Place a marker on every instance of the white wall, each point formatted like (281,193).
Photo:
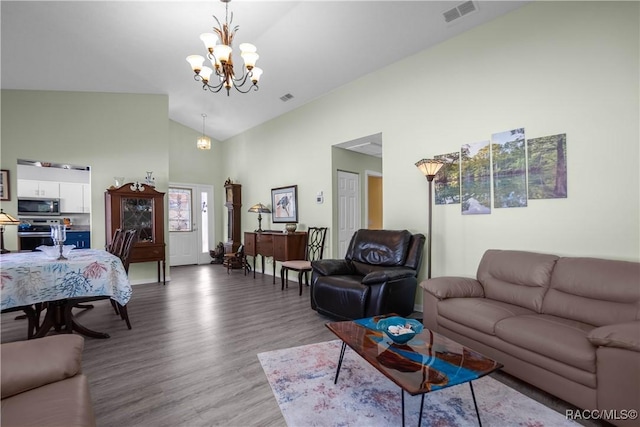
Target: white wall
(550,67)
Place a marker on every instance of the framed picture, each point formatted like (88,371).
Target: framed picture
(284,202)
(4,185)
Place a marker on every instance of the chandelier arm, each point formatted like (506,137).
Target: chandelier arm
(206,85)
(253,86)
(214,89)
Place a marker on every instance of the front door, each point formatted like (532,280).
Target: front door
(348,209)
(190,224)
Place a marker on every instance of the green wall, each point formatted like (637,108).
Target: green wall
(550,67)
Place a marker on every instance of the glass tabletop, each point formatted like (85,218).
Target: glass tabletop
(426,363)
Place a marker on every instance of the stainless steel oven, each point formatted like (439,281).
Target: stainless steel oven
(30,240)
(34,232)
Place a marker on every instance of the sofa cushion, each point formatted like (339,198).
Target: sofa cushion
(478,313)
(595,291)
(516,277)
(63,403)
(379,247)
(560,339)
(35,363)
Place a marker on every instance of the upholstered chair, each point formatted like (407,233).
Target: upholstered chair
(377,276)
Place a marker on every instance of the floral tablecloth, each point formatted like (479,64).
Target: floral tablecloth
(30,277)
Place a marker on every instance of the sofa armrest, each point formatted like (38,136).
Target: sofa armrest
(621,335)
(381,276)
(453,287)
(332,267)
(30,364)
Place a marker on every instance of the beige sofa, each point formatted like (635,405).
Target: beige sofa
(42,384)
(569,326)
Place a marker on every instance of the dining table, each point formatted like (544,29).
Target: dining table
(35,279)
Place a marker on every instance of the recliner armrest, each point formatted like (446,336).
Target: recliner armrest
(30,364)
(381,276)
(621,335)
(453,287)
(332,267)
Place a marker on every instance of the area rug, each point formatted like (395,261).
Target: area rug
(302,381)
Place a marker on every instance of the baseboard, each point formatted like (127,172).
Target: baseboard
(145,281)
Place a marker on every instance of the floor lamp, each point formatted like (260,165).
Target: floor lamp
(429,167)
(5,219)
(260,209)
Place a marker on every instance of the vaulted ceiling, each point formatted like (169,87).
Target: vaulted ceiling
(307,48)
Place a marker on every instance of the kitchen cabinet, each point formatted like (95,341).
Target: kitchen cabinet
(75,197)
(82,239)
(34,188)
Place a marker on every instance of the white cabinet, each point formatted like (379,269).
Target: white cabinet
(75,197)
(33,188)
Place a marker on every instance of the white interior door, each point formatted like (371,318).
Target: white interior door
(189,223)
(348,209)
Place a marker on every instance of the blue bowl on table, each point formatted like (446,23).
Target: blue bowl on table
(396,328)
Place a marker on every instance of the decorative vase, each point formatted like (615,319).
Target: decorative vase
(291,227)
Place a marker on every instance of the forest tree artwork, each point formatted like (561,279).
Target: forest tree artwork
(475,173)
(509,169)
(519,171)
(447,180)
(548,167)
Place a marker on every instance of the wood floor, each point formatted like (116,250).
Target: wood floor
(191,357)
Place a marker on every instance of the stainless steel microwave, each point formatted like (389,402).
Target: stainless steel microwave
(38,206)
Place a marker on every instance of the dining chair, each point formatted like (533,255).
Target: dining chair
(114,247)
(313,251)
(128,241)
(121,246)
(116,242)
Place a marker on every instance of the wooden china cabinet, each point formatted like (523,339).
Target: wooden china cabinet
(233,202)
(140,207)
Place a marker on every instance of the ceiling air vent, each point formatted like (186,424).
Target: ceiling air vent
(287,97)
(459,11)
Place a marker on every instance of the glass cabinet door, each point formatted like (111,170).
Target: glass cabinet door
(137,213)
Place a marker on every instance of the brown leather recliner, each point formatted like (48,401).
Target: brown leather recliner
(377,276)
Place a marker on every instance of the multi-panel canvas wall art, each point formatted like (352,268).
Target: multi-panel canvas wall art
(548,167)
(509,169)
(475,179)
(447,181)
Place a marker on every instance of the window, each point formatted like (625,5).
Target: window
(180,217)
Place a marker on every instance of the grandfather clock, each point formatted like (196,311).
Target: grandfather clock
(233,202)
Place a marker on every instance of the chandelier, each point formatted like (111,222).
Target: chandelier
(203,142)
(220,56)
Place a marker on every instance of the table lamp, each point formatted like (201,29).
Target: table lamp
(5,219)
(260,209)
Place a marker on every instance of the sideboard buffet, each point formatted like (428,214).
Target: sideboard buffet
(280,246)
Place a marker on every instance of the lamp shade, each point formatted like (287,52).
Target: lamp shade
(203,143)
(429,167)
(259,208)
(6,219)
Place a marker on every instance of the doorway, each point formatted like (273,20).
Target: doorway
(373,194)
(190,223)
(348,209)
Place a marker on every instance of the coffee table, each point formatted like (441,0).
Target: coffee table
(426,363)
